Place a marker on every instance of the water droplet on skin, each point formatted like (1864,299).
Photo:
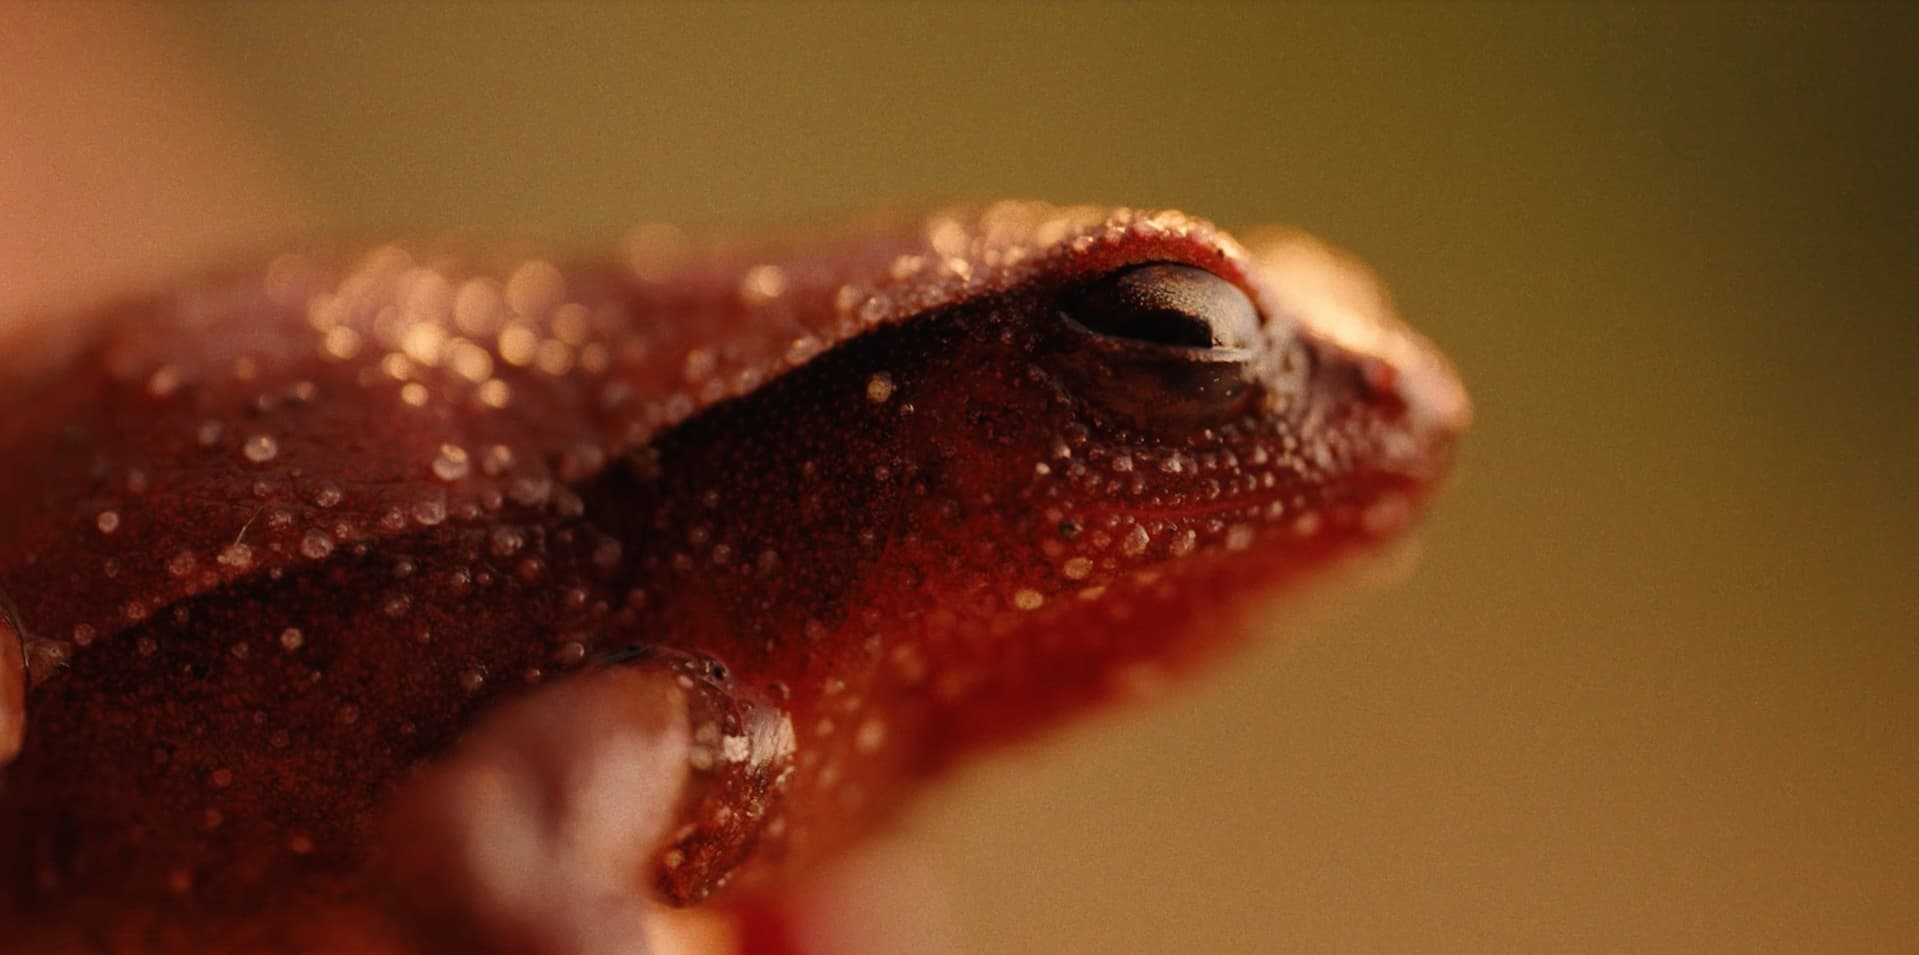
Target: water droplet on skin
(1183,543)
(182,563)
(554,357)
(1239,537)
(1078,568)
(292,639)
(1306,524)
(396,606)
(762,284)
(506,541)
(316,545)
(209,432)
(424,343)
(163,382)
(429,512)
(340,343)
(870,735)
(535,288)
(327,494)
(495,393)
(496,460)
(471,680)
(529,491)
(1135,541)
(1029,599)
(802,349)
(698,366)
(236,556)
(518,343)
(260,449)
(476,307)
(414,394)
(83,635)
(108,521)
(879,388)
(451,463)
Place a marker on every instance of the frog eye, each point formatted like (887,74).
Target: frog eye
(1164,303)
(1168,347)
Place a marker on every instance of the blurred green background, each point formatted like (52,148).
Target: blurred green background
(1655,685)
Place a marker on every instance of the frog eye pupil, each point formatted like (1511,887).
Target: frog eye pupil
(1164,303)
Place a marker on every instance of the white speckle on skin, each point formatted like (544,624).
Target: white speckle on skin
(451,463)
(236,556)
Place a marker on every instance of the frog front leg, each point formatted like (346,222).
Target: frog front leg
(548,827)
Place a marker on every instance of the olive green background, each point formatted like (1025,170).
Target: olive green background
(1654,686)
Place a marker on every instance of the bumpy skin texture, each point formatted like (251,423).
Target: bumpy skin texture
(274,542)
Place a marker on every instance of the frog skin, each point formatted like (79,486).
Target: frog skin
(424,601)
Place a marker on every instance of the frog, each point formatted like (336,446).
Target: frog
(420,599)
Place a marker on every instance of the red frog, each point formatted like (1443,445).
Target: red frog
(423,602)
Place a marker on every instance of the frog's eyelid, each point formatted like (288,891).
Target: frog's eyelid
(1197,353)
